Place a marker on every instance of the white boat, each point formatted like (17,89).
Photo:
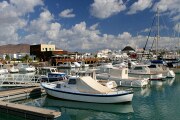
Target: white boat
(51,74)
(86,89)
(83,64)
(11,68)
(144,71)
(25,67)
(120,75)
(2,69)
(66,65)
(157,68)
(92,73)
(77,65)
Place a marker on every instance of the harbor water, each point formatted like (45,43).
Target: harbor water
(157,101)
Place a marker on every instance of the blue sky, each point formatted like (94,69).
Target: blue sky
(88,25)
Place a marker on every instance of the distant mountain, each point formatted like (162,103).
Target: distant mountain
(10,48)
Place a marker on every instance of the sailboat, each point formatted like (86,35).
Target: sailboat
(158,65)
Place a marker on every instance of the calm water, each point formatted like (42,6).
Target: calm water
(158,101)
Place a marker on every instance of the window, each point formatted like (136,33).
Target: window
(49,49)
(72,81)
(126,72)
(152,66)
(58,86)
(138,68)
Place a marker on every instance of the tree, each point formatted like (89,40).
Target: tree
(26,58)
(7,58)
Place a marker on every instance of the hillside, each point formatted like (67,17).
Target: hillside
(10,48)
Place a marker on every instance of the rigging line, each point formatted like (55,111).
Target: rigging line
(153,40)
(125,2)
(149,32)
(165,25)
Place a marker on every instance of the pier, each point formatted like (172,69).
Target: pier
(27,112)
(20,93)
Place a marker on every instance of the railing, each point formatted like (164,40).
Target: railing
(19,80)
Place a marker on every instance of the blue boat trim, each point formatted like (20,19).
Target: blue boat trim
(90,94)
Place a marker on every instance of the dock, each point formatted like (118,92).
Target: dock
(20,93)
(28,112)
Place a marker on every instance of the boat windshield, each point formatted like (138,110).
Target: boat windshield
(72,81)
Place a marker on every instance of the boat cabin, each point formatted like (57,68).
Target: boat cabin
(140,69)
(82,73)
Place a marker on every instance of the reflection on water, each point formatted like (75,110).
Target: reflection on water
(82,110)
(113,108)
(158,85)
(168,81)
(74,110)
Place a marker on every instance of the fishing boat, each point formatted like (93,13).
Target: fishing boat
(86,89)
(51,74)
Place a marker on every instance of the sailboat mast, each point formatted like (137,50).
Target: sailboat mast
(157,32)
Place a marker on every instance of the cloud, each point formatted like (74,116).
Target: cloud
(54,31)
(177,28)
(124,35)
(42,23)
(140,5)
(80,37)
(105,8)
(68,13)
(12,18)
(25,6)
(171,7)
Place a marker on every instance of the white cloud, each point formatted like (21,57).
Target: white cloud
(54,31)
(177,27)
(105,8)
(170,7)
(140,5)
(125,35)
(11,18)
(41,24)
(68,13)
(93,27)
(25,6)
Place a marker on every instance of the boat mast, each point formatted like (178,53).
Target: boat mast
(157,32)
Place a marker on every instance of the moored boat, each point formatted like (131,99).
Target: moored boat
(25,67)
(144,71)
(51,74)
(86,89)
(121,77)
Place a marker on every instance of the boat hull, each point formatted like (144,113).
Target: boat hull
(130,82)
(94,98)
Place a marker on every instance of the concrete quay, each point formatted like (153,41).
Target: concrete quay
(24,111)
(28,112)
(20,93)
